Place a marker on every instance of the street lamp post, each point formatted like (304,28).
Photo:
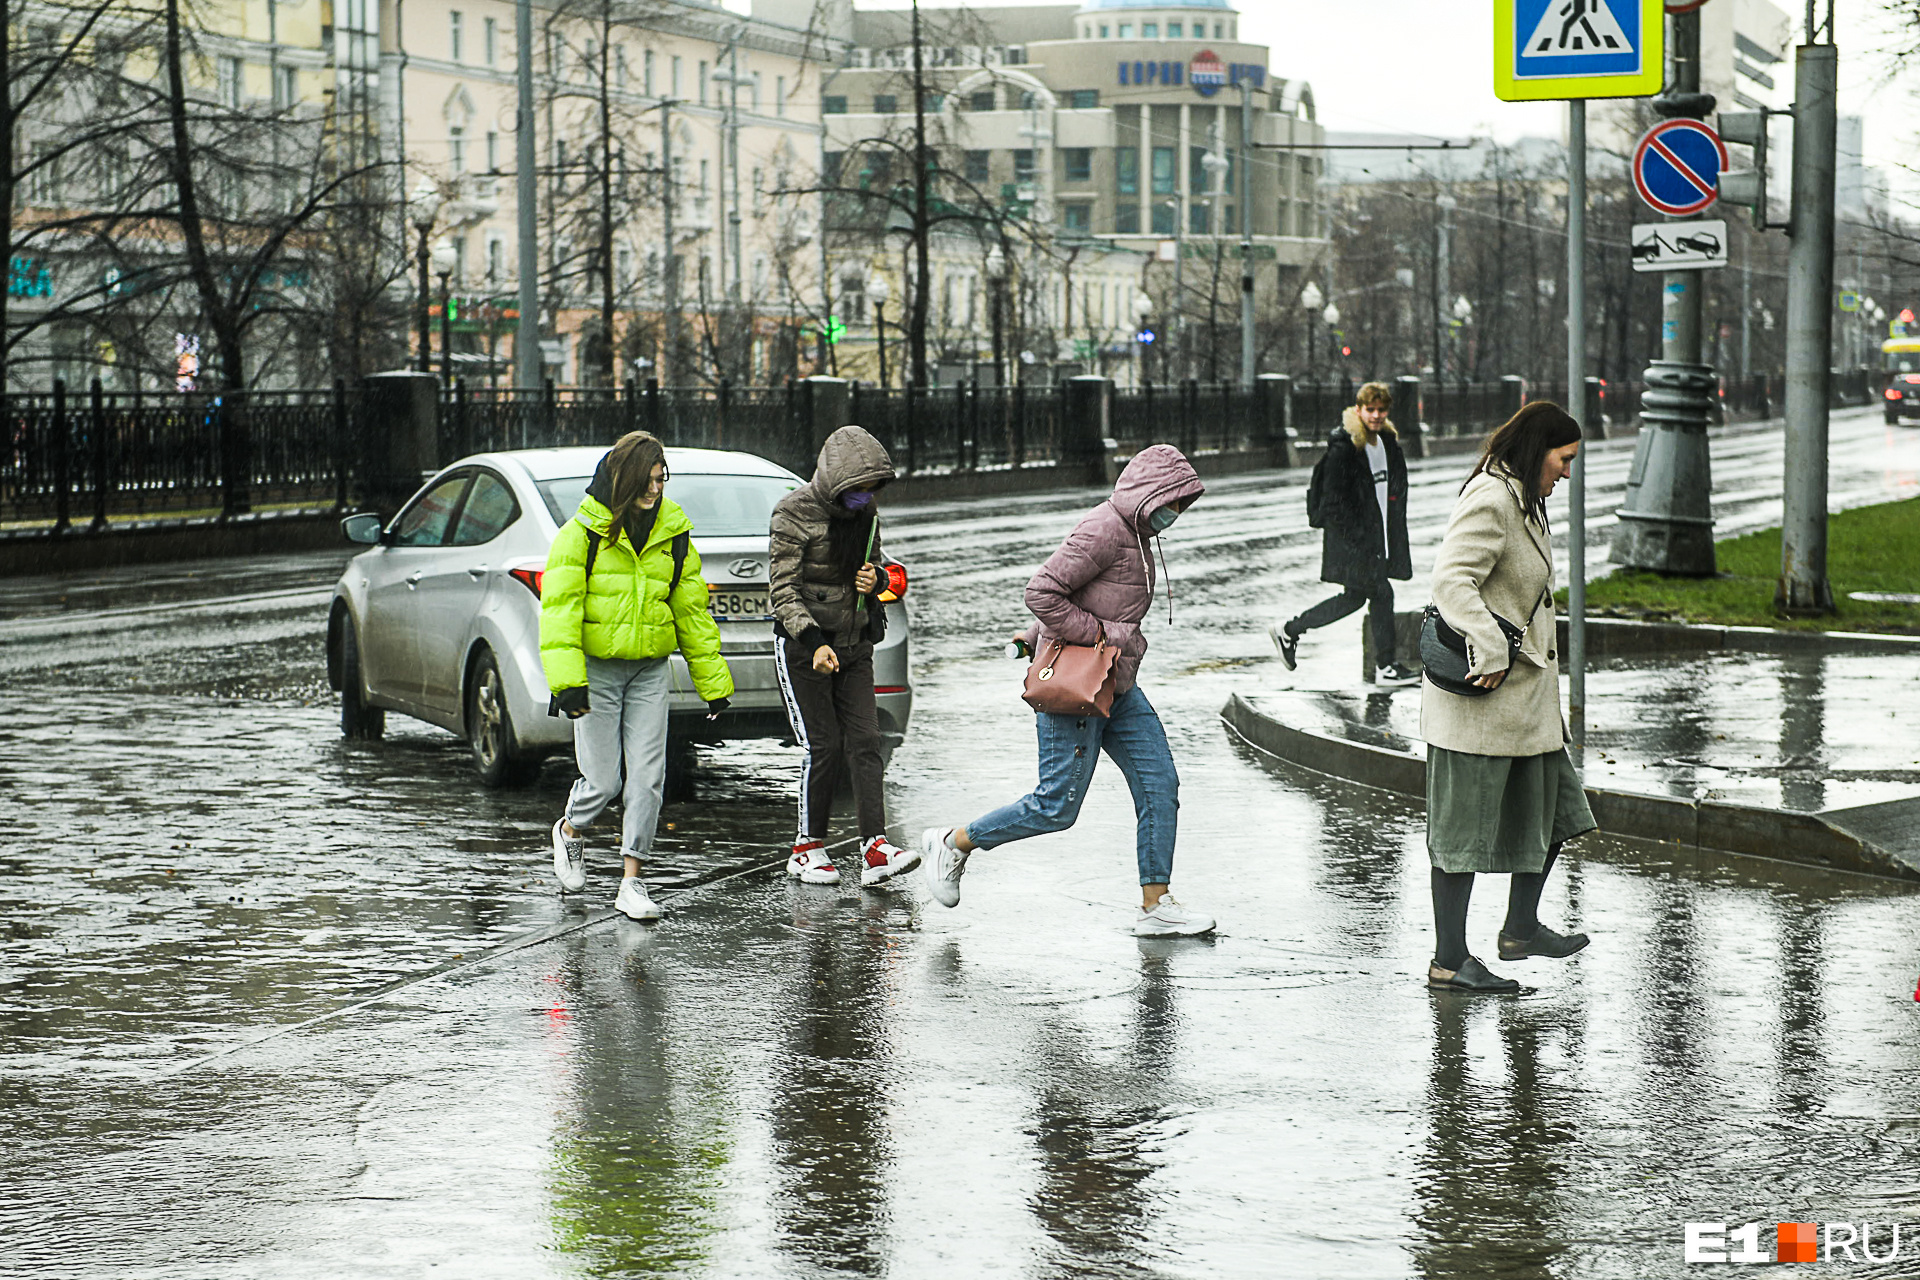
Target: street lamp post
(1332,316)
(996,280)
(444,261)
(423,211)
(1311,300)
(878,291)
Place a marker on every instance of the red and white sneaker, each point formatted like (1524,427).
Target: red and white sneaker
(883,860)
(812,863)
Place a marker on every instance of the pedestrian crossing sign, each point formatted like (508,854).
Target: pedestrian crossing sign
(1548,49)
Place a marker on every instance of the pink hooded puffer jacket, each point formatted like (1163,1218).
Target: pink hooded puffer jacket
(1100,580)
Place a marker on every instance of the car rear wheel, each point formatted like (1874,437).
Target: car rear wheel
(358,721)
(496,749)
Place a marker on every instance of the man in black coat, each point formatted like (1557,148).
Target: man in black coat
(1359,501)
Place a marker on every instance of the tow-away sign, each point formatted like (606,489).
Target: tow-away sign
(1679,246)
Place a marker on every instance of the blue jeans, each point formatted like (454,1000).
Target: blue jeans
(1069,748)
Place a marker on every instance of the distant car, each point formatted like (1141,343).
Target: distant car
(439,618)
(1700,243)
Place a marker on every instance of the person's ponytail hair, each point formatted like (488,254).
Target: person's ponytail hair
(1519,447)
(630,465)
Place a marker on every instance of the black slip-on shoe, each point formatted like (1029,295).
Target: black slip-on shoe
(1471,976)
(1544,942)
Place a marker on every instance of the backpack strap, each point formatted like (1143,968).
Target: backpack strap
(681,542)
(593,553)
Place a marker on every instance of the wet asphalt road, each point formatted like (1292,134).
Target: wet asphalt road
(275,1005)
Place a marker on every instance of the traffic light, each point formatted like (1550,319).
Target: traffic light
(1747,186)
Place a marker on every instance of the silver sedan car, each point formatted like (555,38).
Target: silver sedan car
(439,618)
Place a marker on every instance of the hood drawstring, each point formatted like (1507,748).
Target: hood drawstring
(1166,577)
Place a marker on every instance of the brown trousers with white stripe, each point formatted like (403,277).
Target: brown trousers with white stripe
(834,718)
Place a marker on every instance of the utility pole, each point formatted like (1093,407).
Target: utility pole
(669,260)
(733,163)
(1666,521)
(526,336)
(1803,588)
(1246,237)
(1444,205)
(922,266)
(1577,406)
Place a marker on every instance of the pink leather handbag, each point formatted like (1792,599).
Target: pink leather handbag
(1072,679)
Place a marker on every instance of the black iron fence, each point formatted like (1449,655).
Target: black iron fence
(763,420)
(928,430)
(77,459)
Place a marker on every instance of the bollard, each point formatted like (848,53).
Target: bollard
(62,462)
(342,449)
(1513,395)
(399,438)
(827,403)
(1406,397)
(236,455)
(1593,421)
(1275,429)
(101,481)
(1084,430)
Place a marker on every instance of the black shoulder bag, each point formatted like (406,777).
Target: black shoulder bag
(1443,652)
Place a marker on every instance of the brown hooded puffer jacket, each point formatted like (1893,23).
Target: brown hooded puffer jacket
(813,595)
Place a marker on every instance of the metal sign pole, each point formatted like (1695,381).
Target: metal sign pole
(1576,405)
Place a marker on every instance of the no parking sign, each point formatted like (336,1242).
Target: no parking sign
(1677,167)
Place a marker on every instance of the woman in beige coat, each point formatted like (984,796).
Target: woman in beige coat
(1502,795)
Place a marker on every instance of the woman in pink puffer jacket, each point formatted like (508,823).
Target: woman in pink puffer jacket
(1098,583)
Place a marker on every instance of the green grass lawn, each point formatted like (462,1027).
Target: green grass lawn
(1868,549)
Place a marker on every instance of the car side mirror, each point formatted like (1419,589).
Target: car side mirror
(363,527)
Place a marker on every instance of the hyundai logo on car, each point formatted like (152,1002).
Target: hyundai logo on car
(746,568)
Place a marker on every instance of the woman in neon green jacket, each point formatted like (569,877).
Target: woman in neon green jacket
(610,617)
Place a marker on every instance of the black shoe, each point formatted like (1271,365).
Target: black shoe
(1470,976)
(1288,644)
(1395,676)
(1544,942)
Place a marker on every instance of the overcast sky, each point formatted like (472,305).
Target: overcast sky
(1426,66)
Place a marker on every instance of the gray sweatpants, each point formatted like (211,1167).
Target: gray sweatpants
(627,717)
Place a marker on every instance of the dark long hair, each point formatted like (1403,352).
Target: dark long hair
(1520,445)
(630,466)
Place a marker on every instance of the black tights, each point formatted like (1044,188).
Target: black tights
(1453,889)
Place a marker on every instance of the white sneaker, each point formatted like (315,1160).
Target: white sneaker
(569,859)
(883,860)
(1169,919)
(634,902)
(944,865)
(812,863)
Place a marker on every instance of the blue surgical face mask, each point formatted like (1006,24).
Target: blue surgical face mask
(1162,520)
(859,500)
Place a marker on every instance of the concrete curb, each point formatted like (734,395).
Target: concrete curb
(1866,840)
(1625,637)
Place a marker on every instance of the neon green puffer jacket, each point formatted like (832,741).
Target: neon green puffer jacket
(624,611)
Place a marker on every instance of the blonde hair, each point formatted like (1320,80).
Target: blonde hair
(1375,393)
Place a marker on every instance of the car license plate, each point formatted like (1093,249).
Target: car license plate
(739,604)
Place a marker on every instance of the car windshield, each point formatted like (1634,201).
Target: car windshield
(719,506)
(1903,362)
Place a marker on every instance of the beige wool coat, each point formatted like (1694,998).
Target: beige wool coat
(1494,559)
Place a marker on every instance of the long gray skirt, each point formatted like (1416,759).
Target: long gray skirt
(1500,813)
